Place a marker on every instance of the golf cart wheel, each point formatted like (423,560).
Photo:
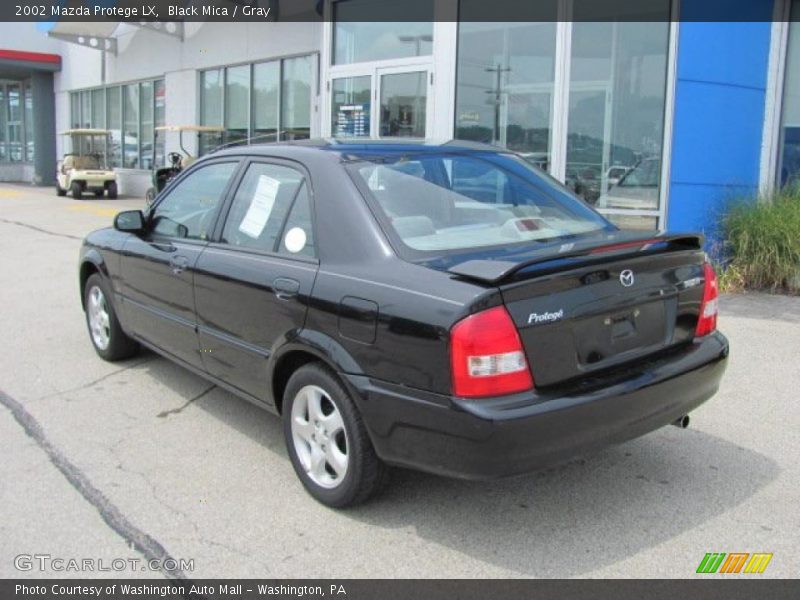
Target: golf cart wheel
(98,193)
(112,190)
(77,190)
(60,191)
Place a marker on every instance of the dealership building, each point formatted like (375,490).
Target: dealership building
(657,123)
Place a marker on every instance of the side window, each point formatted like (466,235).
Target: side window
(298,234)
(261,206)
(188,211)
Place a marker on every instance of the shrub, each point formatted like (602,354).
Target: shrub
(763,242)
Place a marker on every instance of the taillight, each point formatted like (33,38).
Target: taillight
(707,322)
(486,356)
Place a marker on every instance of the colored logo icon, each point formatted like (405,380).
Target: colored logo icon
(734,562)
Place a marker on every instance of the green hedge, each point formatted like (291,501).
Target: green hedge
(763,243)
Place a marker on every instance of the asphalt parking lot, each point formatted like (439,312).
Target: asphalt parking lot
(101,460)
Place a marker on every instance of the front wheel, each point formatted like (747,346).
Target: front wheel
(112,190)
(327,441)
(59,190)
(108,339)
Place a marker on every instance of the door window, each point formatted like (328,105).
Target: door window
(188,211)
(298,234)
(271,199)
(403,104)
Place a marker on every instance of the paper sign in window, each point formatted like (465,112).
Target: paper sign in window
(260,207)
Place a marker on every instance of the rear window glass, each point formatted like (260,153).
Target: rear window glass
(437,203)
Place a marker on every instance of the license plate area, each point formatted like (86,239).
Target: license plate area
(604,337)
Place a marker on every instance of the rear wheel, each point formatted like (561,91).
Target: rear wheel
(77,190)
(98,193)
(327,441)
(112,190)
(108,339)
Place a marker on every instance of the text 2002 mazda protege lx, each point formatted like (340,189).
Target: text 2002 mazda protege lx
(448,308)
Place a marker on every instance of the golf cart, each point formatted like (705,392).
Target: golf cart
(177,160)
(85,168)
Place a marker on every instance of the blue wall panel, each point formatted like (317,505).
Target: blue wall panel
(719,112)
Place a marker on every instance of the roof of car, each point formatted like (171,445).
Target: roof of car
(356,147)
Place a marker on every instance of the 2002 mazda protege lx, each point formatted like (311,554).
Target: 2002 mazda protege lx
(448,307)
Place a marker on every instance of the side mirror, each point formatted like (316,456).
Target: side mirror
(131,221)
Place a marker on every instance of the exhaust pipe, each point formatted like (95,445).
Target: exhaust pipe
(682,422)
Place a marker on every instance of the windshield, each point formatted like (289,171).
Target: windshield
(646,174)
(441,202)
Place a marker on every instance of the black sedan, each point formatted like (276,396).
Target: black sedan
(448,308)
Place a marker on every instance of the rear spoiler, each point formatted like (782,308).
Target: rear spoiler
(496,271)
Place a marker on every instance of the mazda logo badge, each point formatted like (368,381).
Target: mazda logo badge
(626,278)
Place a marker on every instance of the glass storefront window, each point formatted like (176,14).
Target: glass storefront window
(160,108)
(505,84)
(210,107)
(403,104)
(146,124)
(75,110)
(29,148)
(237,104)
(114,124)
(296,98)
(99,108)
(789,151)
(351,106)
(613,80)
(617,99)
(130,113)
(364,31)
(14,122)
(86,109)
(130,129)
(3,124)
(266,101)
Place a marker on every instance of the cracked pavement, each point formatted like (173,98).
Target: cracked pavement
(205,476)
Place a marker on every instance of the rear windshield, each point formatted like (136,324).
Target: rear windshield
(455,202)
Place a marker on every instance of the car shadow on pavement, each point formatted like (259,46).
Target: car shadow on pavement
(565,521)
(582,515)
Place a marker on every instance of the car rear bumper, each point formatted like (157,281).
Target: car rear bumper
(484,439)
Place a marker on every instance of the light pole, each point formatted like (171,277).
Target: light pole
(498,70)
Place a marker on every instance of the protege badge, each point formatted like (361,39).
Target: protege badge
(545,317)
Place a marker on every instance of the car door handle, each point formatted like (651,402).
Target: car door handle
(285,288)
(178,264)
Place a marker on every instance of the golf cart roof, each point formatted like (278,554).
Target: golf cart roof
(195,128)
(85,132)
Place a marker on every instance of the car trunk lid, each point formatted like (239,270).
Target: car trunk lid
(596,304)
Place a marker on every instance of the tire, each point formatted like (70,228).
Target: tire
(363,473)
(105,333)
(112,190)
(98,194)
(77,190)
(60,191)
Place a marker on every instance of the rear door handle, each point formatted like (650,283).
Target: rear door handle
(285,288)
(178,264)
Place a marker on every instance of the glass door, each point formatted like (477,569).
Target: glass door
(382,102)
(403,109)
